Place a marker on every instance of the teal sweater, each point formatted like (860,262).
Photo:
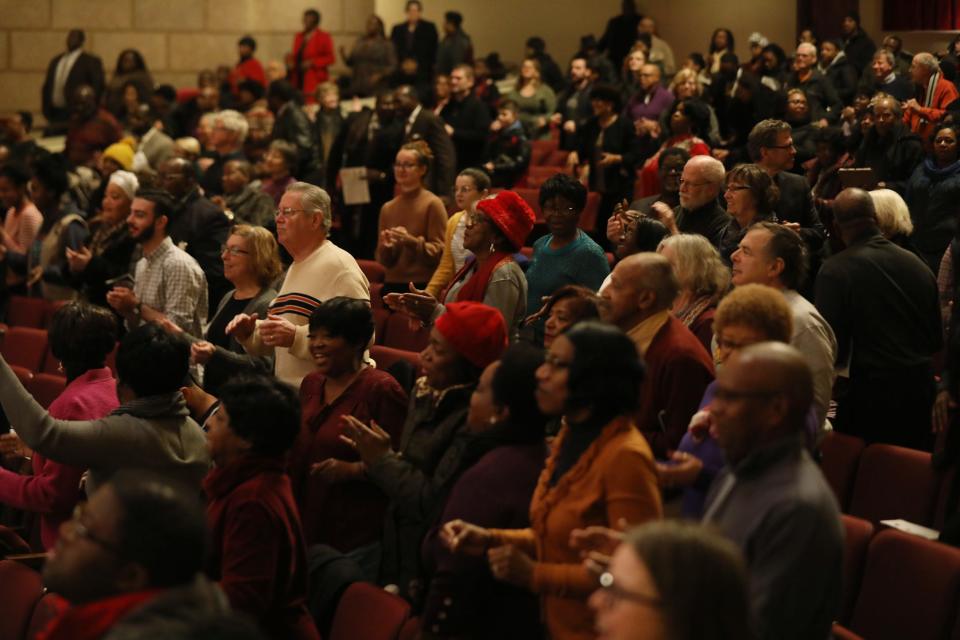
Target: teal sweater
(581,262)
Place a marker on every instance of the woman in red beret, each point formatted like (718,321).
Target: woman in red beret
(493,232)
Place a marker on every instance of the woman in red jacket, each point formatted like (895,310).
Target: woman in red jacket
(312,54)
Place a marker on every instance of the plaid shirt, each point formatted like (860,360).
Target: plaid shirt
(172,282)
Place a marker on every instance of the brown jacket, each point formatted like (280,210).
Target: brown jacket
(614,478)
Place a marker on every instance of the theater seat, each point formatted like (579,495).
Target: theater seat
(410,630)
(400,335)
(588,219)
(27,312)
(380,317)
(11,543)
(857,535)
(840,455)
(894,482)
(25,347)
(48,608)
(842,633)
(20,590)
(23,374)
(540,150)
(45,387)
(909,590)
(367,611)
(374,271)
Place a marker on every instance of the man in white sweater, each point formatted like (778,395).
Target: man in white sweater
(320,271)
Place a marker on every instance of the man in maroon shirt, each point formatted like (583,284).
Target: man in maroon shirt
(91,129)
(258,553)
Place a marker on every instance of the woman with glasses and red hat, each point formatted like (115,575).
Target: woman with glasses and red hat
(493,232)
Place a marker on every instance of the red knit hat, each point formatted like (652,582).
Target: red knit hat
(477,331)
(512,215)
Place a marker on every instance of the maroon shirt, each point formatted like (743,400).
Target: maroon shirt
(95,134)
(349,514)
(258,553)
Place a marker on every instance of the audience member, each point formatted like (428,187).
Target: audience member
(699,211)
(472,185)
(660,52)
(467,119)
(931,195)
(151,429)
(229,132)
(721,43)
(507,152)
(372,58)
(638,300)
(937,94)
(771,500)
(536,48)
(81,337)
(825,104)
(90,127)
(130,563)
(328,121)
(244,203)
(292,125)
(456,48)
(258,554)
(310,56)
(567,306)
(751,197)
(599,473)
(687,123)
(248,68)
(837,69)
(22,146)
(66,73)
(802,128)
(669,170)
(412,225)
(645,107)
(167,282)
(889,147)
(416,38)
(536,100)
(620,33)
(505,460)
(153,145)
(339,506)
(131,70)
(421,124)
(889,392)
(320,271)
(573,104)
(703,279)
(21,223)
(885,77)
(856,43)
(280,163)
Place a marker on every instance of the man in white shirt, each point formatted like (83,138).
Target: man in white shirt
(65,73)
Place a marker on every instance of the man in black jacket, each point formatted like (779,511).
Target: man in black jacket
(825,105)
(620,34)
(838,71)
(423,124)
(856,43)
(467,119)
(199,227)
(417,39)
(883,76)
(889,147)
(65,73)
(573,104)
(882,304)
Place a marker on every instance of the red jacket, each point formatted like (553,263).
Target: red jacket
(54,489)
(319,52)
(924,121)
(258,553)
(249,69)
(678,372)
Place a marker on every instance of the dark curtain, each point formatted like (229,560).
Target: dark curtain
(824,16)
(917,15)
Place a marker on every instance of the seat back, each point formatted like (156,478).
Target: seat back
(25,347)
(374,271)
(380,317)
(11,543)
(909,589)
(400,335)
(45,387)
(367,611)
(20,590)
(48,608)
(840,456)
(894,482)
(27,312)
(857,535)
(540,150)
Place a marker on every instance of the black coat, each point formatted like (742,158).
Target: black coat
(88,69)
(796,205)
(422,46)
(580,114)
(203,228)
(619,138)
(822,97)
(509,151)
(293,125)
(470,120)
(430,128)
(859,50)
(843,77)
(893,158)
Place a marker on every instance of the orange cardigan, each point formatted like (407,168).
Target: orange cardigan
(614,478)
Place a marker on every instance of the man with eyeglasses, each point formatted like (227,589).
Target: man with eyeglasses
(771,499)
(320,271)
(699,212)
(130,563)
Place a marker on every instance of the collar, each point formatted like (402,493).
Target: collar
(422,390)
(165,247)
(890,77)
(768,455)
(643,332)
(93,375)
(413,114)
(222,480)
(148,135)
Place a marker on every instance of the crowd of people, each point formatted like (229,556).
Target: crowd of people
(772,260)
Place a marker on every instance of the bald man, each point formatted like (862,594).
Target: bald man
(772,499)
(638,300)
(881,302)
(699,212)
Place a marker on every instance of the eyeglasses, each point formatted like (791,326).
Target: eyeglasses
(782,146)
(234,251)
(728,395)
(737,187)
(554,362)
(81,531)
(406,166)
(287,212)
(609,587)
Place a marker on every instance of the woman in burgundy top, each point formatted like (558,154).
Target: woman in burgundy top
(338,505)
(81,337)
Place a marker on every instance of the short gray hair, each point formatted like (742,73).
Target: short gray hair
(886,53)
(234,122)
(313,199)
(893,216)
(927,60)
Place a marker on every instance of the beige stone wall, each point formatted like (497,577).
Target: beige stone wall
(177,37)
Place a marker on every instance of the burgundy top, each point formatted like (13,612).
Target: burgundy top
(257,553)
(54,489)
(350,514)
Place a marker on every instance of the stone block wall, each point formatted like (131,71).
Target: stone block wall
(177,38)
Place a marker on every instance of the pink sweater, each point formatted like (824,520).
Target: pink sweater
(54,489)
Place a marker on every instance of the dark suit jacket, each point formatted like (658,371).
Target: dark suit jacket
(203,227)
(429,128)
(424,47)
(88,69)
(581,113)
(618,138)
(470,120)
(796,205)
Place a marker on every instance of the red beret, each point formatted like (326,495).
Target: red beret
(477,331)
(512,215)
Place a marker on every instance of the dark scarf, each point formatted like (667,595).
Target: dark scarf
(938,173)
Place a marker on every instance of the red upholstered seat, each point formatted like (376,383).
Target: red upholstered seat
(50,308)
(45,387)
(25,347)
(380,316)
(857,535)
(400,335)
(367,611)
(894,482)
(540,150)
(11,542)
(410,630)
(385,357)
(840,457)
(20,590)
(909,590)
(842,633)
(536,176)
(374,271)
(48,608)
(23,374)
(27,312)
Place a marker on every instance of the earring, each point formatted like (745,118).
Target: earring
(60,367)
(492,248)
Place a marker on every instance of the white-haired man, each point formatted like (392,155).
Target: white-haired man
(699,210)
(229,132)
(320,271)
(938,93)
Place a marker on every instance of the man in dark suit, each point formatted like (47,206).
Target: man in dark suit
(65,73)
(416,39)
(467,119)
(771,146)
(199,227)
(423,124)
(573,104)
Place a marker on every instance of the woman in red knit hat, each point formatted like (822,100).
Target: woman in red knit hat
(493,232)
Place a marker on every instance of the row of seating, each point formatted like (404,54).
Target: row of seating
(881,482)
(25,610)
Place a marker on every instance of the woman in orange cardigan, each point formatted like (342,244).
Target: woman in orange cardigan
(600,472)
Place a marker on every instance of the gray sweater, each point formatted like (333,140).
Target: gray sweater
(164,440)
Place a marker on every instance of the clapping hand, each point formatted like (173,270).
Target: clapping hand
(370,442)
(242,326)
